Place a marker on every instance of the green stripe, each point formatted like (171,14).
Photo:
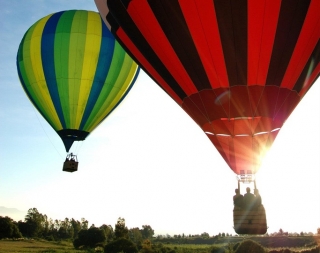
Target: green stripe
(109,89)
(29,80)
(61,59)
(78,38)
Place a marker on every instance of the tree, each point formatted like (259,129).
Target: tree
(45,224)
(90,238)
(8,229)
(147,232)
(108,230)
(76,225)
(135,235)
(318,231)
(95,236)
(66,230)
(205,235)
(84,223)
(121,245)
(34,223)
(121,231)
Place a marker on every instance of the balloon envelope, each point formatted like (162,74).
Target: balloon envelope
(238,68)
(74,72)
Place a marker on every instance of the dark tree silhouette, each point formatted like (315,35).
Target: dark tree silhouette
(8,228)
(121,245)
(121,231)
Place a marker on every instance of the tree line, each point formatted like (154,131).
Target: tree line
(37,225)
(117,239)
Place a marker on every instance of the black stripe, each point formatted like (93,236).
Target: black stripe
(172,22)
(312,63)
(291,18)
(232,20)
(120,15)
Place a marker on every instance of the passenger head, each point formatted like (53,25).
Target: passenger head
(248,189)
(236,190)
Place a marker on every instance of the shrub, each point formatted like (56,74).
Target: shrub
(90,238)
(121,245)
(249,246)
(217,249)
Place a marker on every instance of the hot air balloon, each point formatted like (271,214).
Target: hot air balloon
(238,68)
(74,72)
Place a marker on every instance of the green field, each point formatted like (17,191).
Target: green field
(298,244)
(36,246)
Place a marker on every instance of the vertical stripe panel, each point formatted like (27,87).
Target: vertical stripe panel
(104,60)
(203,27)
(23,77)
(118,95)
(112,86)
(174,26)
(232,21)
(305,46)
(140,11)
(33,65)
(147,55)
(76,50)
(262,23)
(48,62)
(291,18)
(90,61)
(61,60)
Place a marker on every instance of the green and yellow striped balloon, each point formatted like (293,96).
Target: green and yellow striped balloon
(74,72)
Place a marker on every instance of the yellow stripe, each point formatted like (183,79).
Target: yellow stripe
(120,88)
(38,81)
(74,58)
(91,49)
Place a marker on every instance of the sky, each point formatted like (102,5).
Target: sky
(148,162)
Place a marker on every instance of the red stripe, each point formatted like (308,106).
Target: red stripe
(306,43)
(203,27)
(134,50)
(262,24)
(140,11)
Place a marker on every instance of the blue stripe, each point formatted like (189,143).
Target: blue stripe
(23,84)
(103,66)
(125,94)
(47,56)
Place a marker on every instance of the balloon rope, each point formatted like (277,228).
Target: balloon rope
(78,146)
(36,113)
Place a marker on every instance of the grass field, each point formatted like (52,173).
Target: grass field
(42,246)
(27,246)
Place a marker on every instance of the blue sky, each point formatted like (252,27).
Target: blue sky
(148,162)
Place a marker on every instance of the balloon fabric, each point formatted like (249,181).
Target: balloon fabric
(74,72)
(238,68)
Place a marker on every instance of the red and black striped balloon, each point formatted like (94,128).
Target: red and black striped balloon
(238,68)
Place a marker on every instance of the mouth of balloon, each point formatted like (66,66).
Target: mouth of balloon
(241,127)
(68,136)
(243,141)
(239,135)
